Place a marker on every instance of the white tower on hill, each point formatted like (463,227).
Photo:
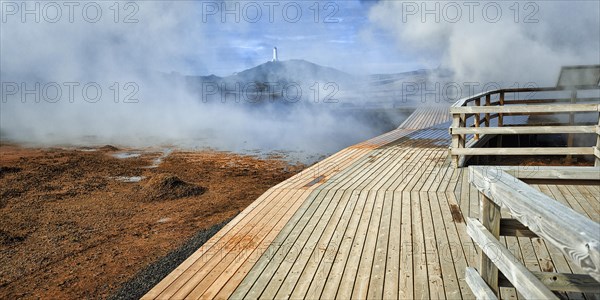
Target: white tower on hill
(275,54)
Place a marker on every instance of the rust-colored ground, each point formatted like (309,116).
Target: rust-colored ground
(69,229)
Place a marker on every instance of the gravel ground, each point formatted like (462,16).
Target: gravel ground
(155,272)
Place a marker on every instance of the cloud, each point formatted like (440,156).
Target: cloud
(495,41)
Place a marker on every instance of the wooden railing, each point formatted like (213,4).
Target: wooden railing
(533,215)
(478,118)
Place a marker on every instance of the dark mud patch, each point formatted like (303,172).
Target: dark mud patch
(8,238)
(457,216)
(169,187)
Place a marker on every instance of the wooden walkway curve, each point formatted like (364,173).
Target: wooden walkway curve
(380,219)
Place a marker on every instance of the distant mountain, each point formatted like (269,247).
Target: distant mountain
(421,75)
(360,89)
(281,72)
(295,70)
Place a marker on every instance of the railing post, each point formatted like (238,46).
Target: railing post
(463,124)
(477,117)
(597,150)
(571,122)
(455,137)
(489,215)
(487,115)
(500,121)
(501,115)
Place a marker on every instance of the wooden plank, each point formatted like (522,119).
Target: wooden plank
(554,191)
(586,200)
(526,109)
(406,275)
(409,167)
(444,248)
(575,235)
(524,151)
(464,198)
(559,261)
(229,277)
(437,171)
(512,244)
(199,280)
(421,282)
(579,204)
(525,130)
(466,100)
(361,281)
(416,169)
(216,241)
(449,179)
(400,170)
(212,251)
(319,277)
(563,282)
(434,268)
(553,100)
(382,170)
(392,266)
(228,286)
(335,275)
(474,201)
(346,285)
(267,265)
(326,168)
(322,254)
(525,282)
(459,244)
(546,172)
(489,215)
(378,270)
(481,290)
(505,292)
(283,280)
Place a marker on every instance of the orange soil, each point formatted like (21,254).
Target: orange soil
(69,229)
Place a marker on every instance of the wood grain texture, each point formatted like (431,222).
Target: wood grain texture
(576,236)
(521,278)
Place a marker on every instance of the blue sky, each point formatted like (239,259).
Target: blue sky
(336,36)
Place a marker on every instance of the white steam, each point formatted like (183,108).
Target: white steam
(495,41)
(171,37)
(137,56)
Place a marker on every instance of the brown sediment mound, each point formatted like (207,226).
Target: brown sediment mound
(109,148)
(169,187)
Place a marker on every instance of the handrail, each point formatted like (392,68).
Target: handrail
(465,100)
(572,233)
(484,110)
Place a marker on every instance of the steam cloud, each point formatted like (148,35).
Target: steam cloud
(167,37)
(173,37)
(503,42)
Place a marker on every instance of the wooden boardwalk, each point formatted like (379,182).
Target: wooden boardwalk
(381,219)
